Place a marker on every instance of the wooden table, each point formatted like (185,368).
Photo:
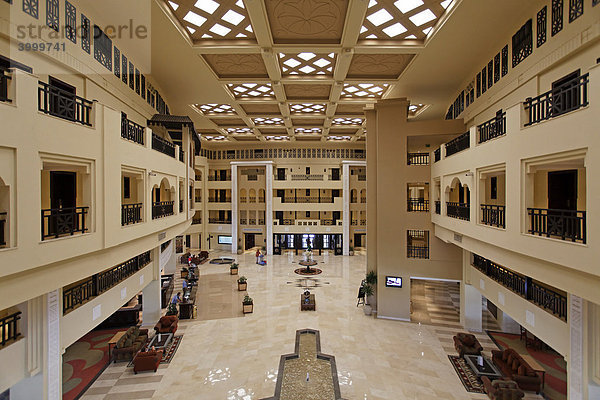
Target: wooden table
(536,367)
(113,341)
(307,306)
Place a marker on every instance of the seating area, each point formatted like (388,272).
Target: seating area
(502,389)
(167,324)
(147,361)
(131,342)
(516,368)
(466,343)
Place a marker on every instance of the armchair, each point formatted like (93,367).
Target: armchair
(466,343)
(167,324)
(147,361)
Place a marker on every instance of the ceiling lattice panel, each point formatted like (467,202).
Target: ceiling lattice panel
(401,19)
(308,108)
(261,109)
(275,138)
(216,109)
(213,19)
(251,90)
(347,121)
(268,121)
(381,66)
(240,131)
(339,138)
(306,21)
(364,90)
(308,131)
(312,91)
(307,63)
(237,65)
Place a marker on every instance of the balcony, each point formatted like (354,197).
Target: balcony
(437,155)
(252,221)
(58,222)
(131,214)
(162,209)
(196,221)
(541,295)
(438,207)
(416,205)
(164,146)
(9,329)
(181,155)
(243,221)
(97,284)
(198,199)
(458,210)
(362,177)
(212,178)
(3,225)
(493,215)
(559,224)
(261,221)
(418,159)
(493,128)
(307,177)
(458,144)
(180,205)
(131,131)
(63,104)
(564,98)
(417,252)
(308,200)
(219,221)
(5,76)
(220,200)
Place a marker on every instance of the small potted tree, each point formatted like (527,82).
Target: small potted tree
(242,283)
(172,309)
(371,279)
(351,251)
(233,269)
(247,305)
(368,291)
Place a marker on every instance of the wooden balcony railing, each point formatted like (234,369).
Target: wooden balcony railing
(493,128)
(9,328)
(418,159)
(131,214)
(563,224)
(162,209)
(417,251)
(63,104)
(309,177)
(493,215)
(162,145)
(131,131)
(458,210)
(458,144)
(565,98)
(417,204)
(63,221)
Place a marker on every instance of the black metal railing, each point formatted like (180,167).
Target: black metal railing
(63,221)
(542,296)
(418,159)
(417,251)
(131,214)
(196,221)
(223,200)
(180,205)
(417,204)
(438,207)
(563,224)
(9,328)
(219,221)
(164,246)
(458,144)
(3,235)
(493,215)
(131,131)
(252,221)
(198,199)
(243,221)
(212,178)
(79,294)
(63,104)
(181,155)
(458,210)
(493,128)
(162,145)
(307,177)
(562,99)
(162,209)
(4,78)
(437,155)
(261,221)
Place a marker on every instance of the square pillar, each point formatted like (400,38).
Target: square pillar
(234,209)
(269,207)
(346,210)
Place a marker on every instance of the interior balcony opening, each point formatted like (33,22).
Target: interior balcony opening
(359,173)
(132,198)
(198,195)
(65,199)
(296,243)
(59,99)
(417,244)
(4,214)
(221,196)
(492,197)
(197,219)
(556,200)
(459,200)
(417,197)
(219,216)
(10,326)
(163,203)
(219,175)
(437,195)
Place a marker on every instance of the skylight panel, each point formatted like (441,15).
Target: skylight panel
(232,17)
(423,17)
(174,5)
(394,30)
(208,6)
(380,17)
(306,56)
(220,29)
(445,3)
(322,63)
(407,5)
(194,18)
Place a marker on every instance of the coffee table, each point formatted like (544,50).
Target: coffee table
(486,368)
(160,341)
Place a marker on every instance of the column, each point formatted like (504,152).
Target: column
(575,361)
(269,207)
(346,209)
(234,209)
(54,354)
(470,307)
(151,293)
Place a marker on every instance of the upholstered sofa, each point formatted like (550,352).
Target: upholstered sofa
(167,324)
(466,343)
(514,367)
(147,361)
(130,343)
(502,389)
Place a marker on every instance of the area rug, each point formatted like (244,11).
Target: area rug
(468,378)
(167,355)
(555,387)
(84,361)
(313,271)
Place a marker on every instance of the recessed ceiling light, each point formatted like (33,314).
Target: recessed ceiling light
(423,17)
(175,6)
(394,30)
(380,17)
(220,29)
(194,18)
(407,5)
(232,17)
(208,6)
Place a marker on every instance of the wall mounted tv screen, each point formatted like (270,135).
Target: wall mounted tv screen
(393,281)
(225,239)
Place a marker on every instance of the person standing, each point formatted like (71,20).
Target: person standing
(258,256)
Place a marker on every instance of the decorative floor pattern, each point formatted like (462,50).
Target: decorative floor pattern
(470,381)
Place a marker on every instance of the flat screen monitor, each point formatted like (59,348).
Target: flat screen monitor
(393,281)
(225,239)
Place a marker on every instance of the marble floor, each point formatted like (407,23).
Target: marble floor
(226,355)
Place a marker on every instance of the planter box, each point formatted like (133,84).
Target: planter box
(242,286)
(233,271)
(248,308)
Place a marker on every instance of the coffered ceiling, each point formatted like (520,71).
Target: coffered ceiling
(302,69)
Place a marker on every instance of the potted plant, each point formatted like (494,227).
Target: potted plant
(172,309)
(233,269)
(371,279)
(242,284)
(368,291)
(351,251)
(247,305)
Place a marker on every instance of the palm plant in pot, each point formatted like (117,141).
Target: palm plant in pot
(242,283)
(247,305)
(371,280)
(172,309)
(233,269)
(368,291)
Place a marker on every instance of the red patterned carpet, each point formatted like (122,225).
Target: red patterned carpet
(84,360)
(554,364)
